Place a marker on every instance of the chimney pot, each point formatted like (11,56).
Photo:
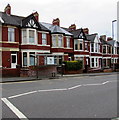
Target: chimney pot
(56,22)
(86,30)
(72,27)
(7,9)
(36,15)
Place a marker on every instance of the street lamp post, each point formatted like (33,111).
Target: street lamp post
(113,28)
(113,39)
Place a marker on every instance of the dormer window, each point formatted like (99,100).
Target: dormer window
(11,35)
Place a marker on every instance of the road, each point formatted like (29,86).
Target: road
(69,97)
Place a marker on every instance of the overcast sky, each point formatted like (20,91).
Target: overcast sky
(97,15)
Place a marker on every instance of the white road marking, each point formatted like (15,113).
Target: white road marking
(63,89)
(14,109)
(51,90)
(92,84)
(71,88)
(22,94)
(105,82)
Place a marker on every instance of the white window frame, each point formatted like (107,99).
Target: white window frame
(68,42)
(11,35)
(27,37)
(96,62)
(55,41)
(44,39)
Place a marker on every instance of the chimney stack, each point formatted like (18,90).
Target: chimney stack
(7,9)
(109,39)
(56,22)
(72,27)
(103,37)
(86,30)
(36,15)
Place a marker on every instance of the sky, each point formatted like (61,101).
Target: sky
(97,15)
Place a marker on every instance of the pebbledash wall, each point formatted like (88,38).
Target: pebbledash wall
(22,39)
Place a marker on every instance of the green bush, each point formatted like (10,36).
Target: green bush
(73,65)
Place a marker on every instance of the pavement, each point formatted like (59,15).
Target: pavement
(19,79)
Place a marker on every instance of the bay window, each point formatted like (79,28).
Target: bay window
(81,45)
(57,41)
(54,41)
(76,44)
(94,62)
(31,37)
(60,41)
(32,58)
(92,47)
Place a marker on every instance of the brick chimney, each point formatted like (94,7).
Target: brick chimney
(72,27)
(109,39)
(103,37)
(56,22)
(86,30)
(36,15)
(7,9)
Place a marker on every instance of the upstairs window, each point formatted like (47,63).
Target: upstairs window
(92,47)
(68,42)
(76,44)
(11,35)
(81,45)
(44,39)
(57,41)
(31,36)
(60,43)
(96,47)
(104,49)
(54,41)
(86,46)
(24,36)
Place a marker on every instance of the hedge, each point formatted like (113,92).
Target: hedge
(73,65)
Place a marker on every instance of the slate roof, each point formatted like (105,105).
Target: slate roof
(11,19)
(105,42)
(18,20)
(91,37)
(112,42)
(56,29)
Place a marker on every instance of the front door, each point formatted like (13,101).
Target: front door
(13,60)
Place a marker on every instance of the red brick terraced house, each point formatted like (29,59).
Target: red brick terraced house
(109,51)
(61,42)
(22,39)
(95,51)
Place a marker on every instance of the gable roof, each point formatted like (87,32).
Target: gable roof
(55,29)
(79,34)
